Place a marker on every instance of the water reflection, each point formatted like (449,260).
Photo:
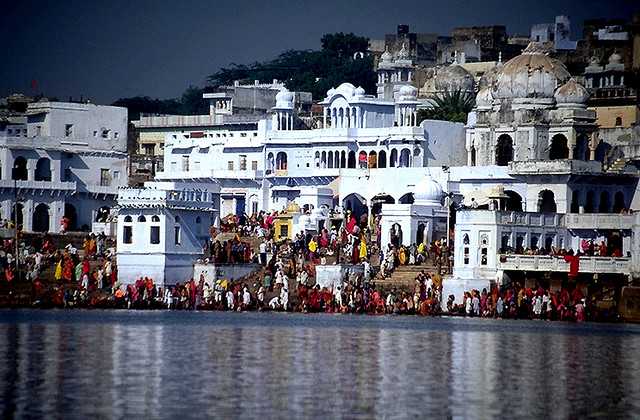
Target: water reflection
(152,364)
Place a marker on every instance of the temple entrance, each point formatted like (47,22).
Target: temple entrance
(356,204)
(378,200)
(420,238)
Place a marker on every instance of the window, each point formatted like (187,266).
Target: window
(116,174)
(128,219)
(154,235)
(149,149)
(185,163)
(95,133)
(243,162)
(68,130)
(230,165)
(105,178)
(254,165)
(243,134)
(127,235)
(176,235)
(284,231)
(142,219)
(466,255)
(115,135)
(105,133)
(155,219)
(618,121)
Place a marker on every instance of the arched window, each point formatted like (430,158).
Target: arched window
(155,218)
(343,159)
(19,171)
(602,151)
(408,198)
(382,159)
(43,170)
(336,159)
(128,219)
(351,159)
(575,201)
(605,203)
(142,219)
(373,160)
(281,161)
(619,203)
(504,150)
(393,158)
(472,153)
(317,159)
(547,202)
(559,148)
(323,160)
(405,158)
(330,159)
(618,121)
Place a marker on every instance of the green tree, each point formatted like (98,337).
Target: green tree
(307,70)
(449,106)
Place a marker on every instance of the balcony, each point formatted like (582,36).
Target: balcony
(599,221)
(555,167)
(552,263)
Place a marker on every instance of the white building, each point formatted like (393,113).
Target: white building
(62,159)
(162,229)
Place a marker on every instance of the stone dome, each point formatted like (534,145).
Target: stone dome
(571,93)
(346,89)
(284,98)
(484,98)
(407,93)
(428,192)
(532,74)
(452,78)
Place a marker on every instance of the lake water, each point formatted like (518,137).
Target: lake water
(138,364)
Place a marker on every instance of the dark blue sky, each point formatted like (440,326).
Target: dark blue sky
(110,49)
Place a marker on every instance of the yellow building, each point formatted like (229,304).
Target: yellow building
(616,116)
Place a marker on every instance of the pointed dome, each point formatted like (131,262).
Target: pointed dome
(571,93)
(428,192)
(532,74)
(386,56)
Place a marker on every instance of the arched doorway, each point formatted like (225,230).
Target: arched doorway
(18,219)
(472,153)
(382,159)
(618,202)
(581,150)
(602,151)
(405,158)
(393,158)
(43,170)
(504,150)
(406,199)
(356,204)
(547,202)
(420,233)
(41,218)
(362,159)
(605,202)
(19,172)
(71,214)
(513,202)
(395,235)
(378,200)
(373,160)
(559,147)
(351,159)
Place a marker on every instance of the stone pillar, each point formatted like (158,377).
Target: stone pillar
(358,117)
(31,170)
(324,117)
